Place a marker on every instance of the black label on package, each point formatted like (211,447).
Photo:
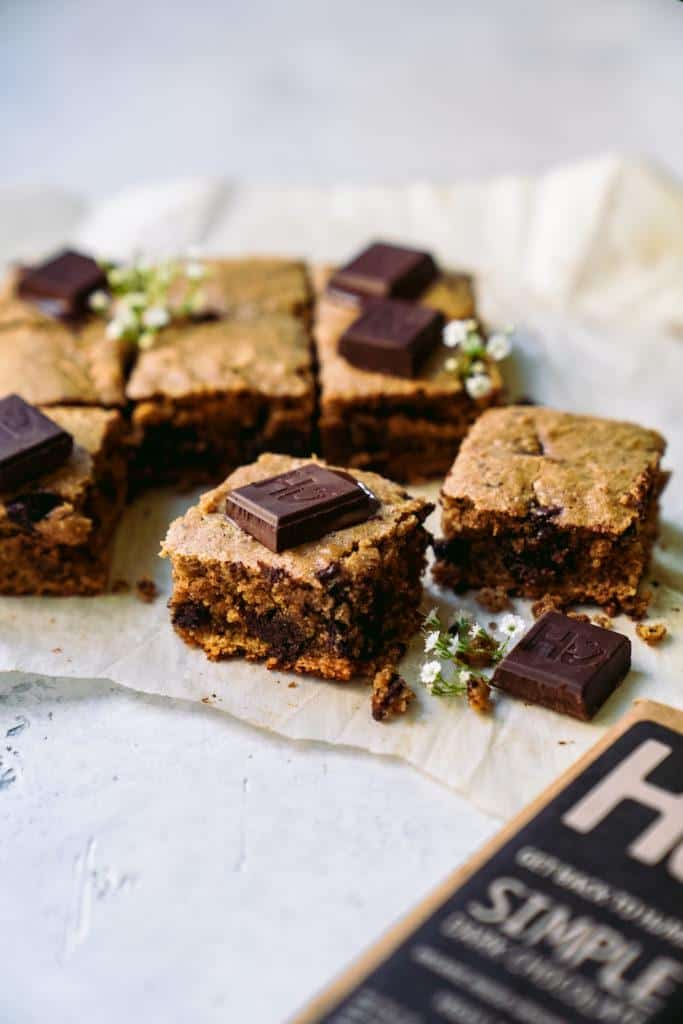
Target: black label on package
(577,918)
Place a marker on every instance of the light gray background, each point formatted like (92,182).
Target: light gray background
(97,94)
(161,862)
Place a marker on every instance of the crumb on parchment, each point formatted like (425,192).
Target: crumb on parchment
(146,589)
(651,632)
(391,695)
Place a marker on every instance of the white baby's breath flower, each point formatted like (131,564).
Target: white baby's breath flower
(432,619)
(455,332)
(464,677)
(431,640)
(475,629)
(99,301)
(511,624)
(430,671)
(479,385)
(453,645)
(498,346)
(195,271)
(134,300)
(115,329)
(117,276)
(452,365)
(156,317)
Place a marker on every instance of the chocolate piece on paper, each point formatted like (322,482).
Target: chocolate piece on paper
(392,336)
(383,270)
(302,505)
(60,287)
(565,665)
(31,444)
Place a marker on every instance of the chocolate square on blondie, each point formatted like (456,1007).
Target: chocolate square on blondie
(542,502)
(209,396)
(407,427)
(338,606)
(56,528)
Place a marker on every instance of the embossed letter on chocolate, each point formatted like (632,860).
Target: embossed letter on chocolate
(30,443)
(392,336)
(383,270)
(60,287)
(299,506)
(565,665)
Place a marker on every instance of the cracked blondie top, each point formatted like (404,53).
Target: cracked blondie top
(270,355)
(252,287)
(592,474)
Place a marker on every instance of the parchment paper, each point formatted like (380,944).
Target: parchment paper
(588,262)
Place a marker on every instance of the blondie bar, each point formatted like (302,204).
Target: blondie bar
(339,605)
(542,502)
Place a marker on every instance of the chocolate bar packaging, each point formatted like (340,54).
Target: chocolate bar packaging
(573,913)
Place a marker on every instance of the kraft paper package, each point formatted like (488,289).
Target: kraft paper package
(573,913)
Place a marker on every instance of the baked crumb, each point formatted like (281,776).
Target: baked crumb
(493,599)
(391,695)
(146,589)
(479,695)
(547,603)
(120,586)
(579,616)
(603,621)
(651,632)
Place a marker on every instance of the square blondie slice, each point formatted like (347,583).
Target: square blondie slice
(408,428)
(210,396)
(252,286)
(341,606)
(57,362)
(56,529)
(542,502)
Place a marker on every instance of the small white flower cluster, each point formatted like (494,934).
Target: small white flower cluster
(457,655)
(472,351)
(511,626)
(137,305)
(445,673)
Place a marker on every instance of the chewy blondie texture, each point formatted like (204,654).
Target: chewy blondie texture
(55,531)
(407,428)
(251,287)
(210,396)
(338,607)
(541,503)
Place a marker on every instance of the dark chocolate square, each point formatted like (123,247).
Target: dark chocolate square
(565,665)
(31,444)
(299,506)
(392,336)
(382,271)
(60,287)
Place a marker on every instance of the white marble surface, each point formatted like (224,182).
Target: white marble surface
(160,861)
